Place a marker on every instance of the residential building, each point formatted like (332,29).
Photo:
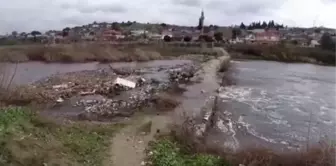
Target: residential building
(314,43)
(268,37)
(167,33)
(110,35)
(138,32)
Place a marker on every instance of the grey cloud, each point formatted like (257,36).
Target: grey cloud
(190,3)
(243,7)
(105,8)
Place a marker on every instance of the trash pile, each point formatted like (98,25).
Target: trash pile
(182,73)
(124,105)
(123,91)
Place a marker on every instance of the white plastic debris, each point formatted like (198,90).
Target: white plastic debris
(60,86)
(87,92)
(124,82)
(60,100)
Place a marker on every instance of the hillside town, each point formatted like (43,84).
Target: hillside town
(256,32)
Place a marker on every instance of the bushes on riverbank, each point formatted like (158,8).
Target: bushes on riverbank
(285,53)
(76,53)
(169,153)
(84,52)
(26,139)
(182,150)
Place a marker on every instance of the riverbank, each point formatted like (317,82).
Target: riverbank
(283,53)
(172,151)
(70,53)
(89,52)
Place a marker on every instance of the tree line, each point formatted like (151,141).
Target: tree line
(328,41)
(261,25)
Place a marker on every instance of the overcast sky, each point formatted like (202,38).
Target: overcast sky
(23,15)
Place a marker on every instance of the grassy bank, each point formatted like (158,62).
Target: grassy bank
(166,152)
(169,151)
(76,53)
(28,140)
(284,53)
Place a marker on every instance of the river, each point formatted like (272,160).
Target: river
(281,104)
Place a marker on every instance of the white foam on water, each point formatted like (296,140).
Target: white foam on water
(251,131)
(328,122)
(300,111)
(275,105)
(221,126)
(258,135)
(237,93)
(293,135)
(230,127)
(244,95)
(241,122)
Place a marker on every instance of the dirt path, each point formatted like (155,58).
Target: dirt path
(128,146)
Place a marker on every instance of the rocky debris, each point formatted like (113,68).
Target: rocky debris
(123,90)
(124,71)
(84,83)
(182,73)
(107,108)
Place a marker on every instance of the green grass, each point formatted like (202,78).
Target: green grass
(28,140)
(169,153)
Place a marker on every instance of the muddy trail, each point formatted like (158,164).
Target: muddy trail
(129,145)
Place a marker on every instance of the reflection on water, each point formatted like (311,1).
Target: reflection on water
(277,102)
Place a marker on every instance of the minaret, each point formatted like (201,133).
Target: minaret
(201,22)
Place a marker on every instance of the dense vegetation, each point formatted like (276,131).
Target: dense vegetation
(327,43)
(285,53)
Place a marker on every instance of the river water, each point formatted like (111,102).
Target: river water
(29,72)
(272,103)
(281,104)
